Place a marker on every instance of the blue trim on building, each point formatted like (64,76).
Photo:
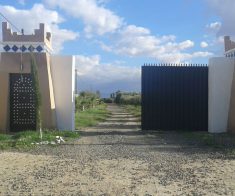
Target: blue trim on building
(24,48)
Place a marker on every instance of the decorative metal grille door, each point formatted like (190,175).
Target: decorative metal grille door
(22,103)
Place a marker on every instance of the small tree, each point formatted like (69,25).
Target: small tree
(35,80)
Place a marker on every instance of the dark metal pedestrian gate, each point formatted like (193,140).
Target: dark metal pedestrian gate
(22,103)
(175,97)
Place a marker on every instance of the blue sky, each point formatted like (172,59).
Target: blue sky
(113,38)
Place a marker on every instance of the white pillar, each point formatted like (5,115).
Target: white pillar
(63,76)
(220,83)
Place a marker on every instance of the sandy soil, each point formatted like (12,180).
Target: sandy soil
(115,158)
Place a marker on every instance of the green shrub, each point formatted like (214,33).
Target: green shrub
(127,98)
(107,100)
(87,100)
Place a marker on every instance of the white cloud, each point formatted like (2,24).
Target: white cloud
(129,40)
(134,30)
(104,72)
(179,57)
(136,41)
(103,46)
(204,44)
(214,27)
(95,75)
(96,17)
(200,54)
(185,45)
(86,64)
(225,10)
(220,40)
(30,19)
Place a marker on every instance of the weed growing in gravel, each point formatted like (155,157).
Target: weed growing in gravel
(133,109)
(25,139)
(4,137)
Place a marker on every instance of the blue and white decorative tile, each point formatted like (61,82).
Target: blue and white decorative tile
(6,48)
(23,48)
(31,48)
(39,48)
(15,48)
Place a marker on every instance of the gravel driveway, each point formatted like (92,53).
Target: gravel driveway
(115,158)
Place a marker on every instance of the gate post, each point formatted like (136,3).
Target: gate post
(16,59)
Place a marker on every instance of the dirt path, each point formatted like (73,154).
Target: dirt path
(115,158)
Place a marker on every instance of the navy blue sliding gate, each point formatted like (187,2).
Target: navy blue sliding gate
(175,97)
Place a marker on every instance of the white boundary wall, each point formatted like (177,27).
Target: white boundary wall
(221,71)
(63,76)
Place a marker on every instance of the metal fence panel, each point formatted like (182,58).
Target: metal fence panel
(175,97)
